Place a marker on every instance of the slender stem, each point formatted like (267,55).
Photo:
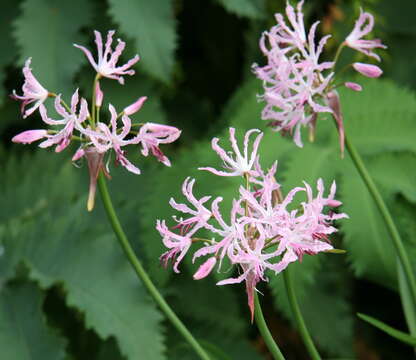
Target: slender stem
(264,330)
(298,316)
(388,220)
(141,273)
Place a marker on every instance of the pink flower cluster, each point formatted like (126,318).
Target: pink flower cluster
(264,230)
(297,86)
(76,123)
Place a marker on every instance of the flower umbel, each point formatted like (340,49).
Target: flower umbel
(265,231)
(297,86)
(98,140)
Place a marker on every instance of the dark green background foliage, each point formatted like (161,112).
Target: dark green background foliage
(67,292)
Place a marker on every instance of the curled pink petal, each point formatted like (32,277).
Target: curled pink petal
(369,70)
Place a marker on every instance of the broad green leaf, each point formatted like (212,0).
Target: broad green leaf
(369,246)
(152,26)
(24,333)
(254,9)
(63,248)
(395,173)
(376,126)
(63,244)
(46,31)
(397,334)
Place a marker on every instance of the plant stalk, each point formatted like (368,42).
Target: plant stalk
(306,337)
(388,220)
(264,330)
(141,273)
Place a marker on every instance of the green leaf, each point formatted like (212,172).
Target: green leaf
(24,334)
(51,232)
(46,31)
(397,334)
(376,126)
(395,174)
(254,9)
(151,24)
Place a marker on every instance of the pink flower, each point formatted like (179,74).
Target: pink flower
(199,216)
(303,234)
(293,79)
(238,163)
(105,139)
(151,135)
(353,86)
(106,64)
(371,71)
(70,122)
(333,101)
(362,27)
(205,269)
(135,107)
(29,136)
(33,91)
(178,245)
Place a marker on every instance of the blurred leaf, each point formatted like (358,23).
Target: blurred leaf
(24,334)
(254,9)
(395,172)
(151,24)
(397,334)
(45,31)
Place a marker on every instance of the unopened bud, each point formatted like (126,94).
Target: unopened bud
(371,71)
(135,107)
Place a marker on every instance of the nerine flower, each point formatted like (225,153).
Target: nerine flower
(262,232)
(238,163)
(105,139)
(297,86)
(33,91)
(106,64)
(363,26)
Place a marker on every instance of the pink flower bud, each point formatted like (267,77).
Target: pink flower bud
(78,154)
(29,136)
(353,86)
(371,71)
(98,95)
(135,107)
(205,268)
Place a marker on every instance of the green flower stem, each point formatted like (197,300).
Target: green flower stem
(388,220)
(298,316)
(264,330)
(141,273)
